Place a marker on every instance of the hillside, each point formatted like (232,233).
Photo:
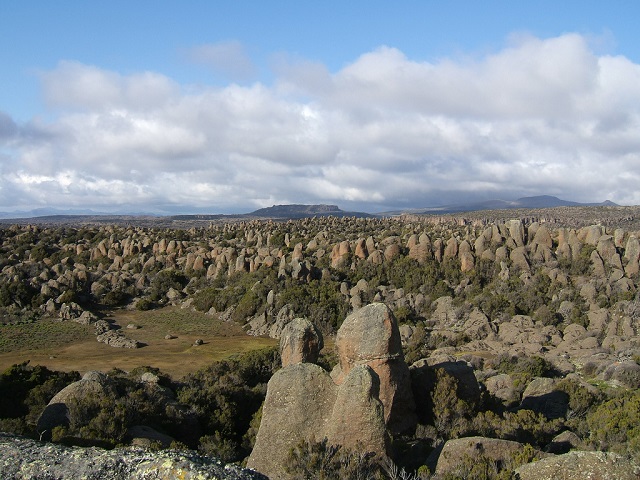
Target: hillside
(523,330)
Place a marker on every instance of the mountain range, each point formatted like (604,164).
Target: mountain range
(322,210)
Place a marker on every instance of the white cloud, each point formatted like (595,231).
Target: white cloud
(541,116)
(229,58)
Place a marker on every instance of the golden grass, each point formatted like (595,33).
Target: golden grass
(68,346)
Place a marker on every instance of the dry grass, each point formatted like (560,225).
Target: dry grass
(68,346)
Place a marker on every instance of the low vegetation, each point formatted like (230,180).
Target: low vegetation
(519,299)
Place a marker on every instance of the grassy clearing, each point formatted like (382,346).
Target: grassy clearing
(41,334)
(69,346)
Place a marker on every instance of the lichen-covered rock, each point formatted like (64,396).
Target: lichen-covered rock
(25,459)
(580,466)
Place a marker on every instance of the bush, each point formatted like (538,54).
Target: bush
(615,425)
(318,460)
(226,396)
(25,391)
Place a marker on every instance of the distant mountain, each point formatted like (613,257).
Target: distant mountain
(303,211)
(540,201)
(48,212)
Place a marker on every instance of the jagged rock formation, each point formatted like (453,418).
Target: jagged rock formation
(304,403)
(25,459)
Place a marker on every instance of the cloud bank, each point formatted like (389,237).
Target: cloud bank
(540,116)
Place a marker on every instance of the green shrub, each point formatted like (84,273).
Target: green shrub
(226,396)
(319,460)
(615,425)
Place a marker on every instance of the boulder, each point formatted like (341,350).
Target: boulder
(370,336)
(300,342)
(542,397)
(357,421)
(563,442)
(60,408)
(477,326)
(298,406)
(578,465)
(457,451)
(626,374)
(502,387)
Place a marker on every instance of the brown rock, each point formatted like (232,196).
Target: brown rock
(391,252)
(357,421)
(300,342)
(298,406)
(370,336)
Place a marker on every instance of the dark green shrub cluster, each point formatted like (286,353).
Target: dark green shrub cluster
(25,391)
(615,424)
(165,280)
(227,397)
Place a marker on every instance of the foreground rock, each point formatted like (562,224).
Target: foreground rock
(580,466)
(370,336)
(298,406)
(22,458)
(350,407)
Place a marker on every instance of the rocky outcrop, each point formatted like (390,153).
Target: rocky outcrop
(370,336)
(25,459)
(115,338)
(580,466)
(304,403)
(300,342)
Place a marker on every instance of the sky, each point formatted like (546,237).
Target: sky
(225,107)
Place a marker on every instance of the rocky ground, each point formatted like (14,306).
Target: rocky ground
(536,313)
(22,459)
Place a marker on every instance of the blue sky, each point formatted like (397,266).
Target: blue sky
(231,106)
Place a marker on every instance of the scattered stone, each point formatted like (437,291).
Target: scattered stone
(115,338)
